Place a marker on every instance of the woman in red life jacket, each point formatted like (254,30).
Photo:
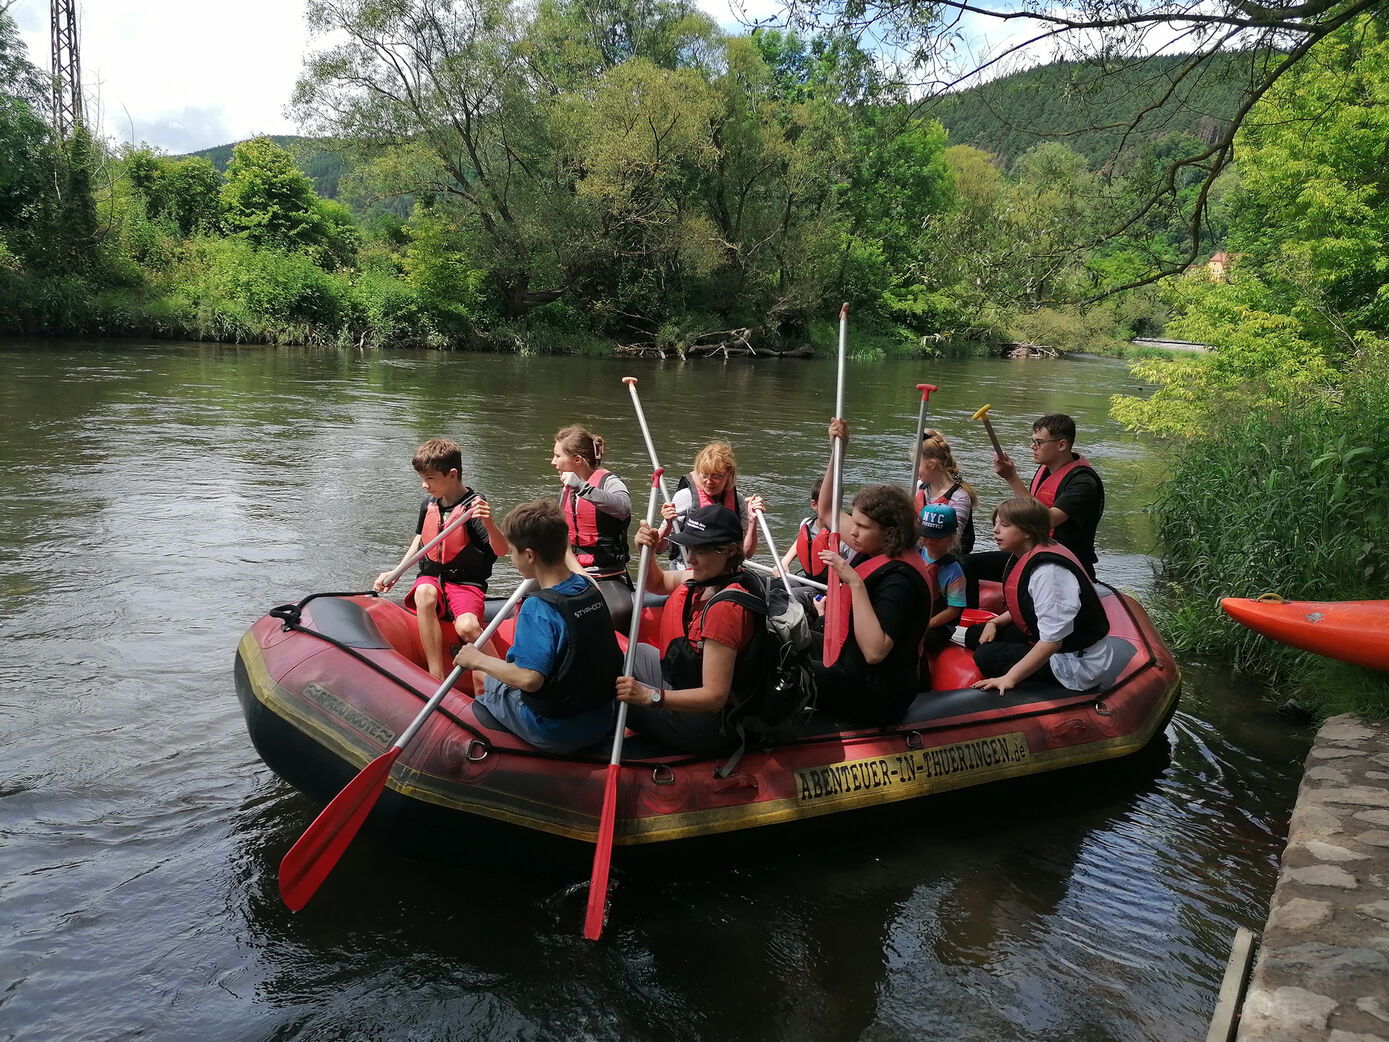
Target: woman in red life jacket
(938,480)
(598,511)
(679,690)
(888,595)
(1054,628)
(713,480)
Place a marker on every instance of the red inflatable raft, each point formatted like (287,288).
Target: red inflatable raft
(1351,631)
(327,685)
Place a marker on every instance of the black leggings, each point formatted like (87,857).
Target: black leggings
(1009,647)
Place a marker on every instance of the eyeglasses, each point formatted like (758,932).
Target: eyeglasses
(1041,441)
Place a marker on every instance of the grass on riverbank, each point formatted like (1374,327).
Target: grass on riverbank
(1294,502)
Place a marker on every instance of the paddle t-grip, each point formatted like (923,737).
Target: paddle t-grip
(983,415)
(925,390)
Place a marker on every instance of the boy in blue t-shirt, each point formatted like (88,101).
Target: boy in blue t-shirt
(940,536)
(555,688)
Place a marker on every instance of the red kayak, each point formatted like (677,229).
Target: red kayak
(326,685)
(1351,631)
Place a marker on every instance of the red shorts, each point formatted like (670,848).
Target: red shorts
(458,599)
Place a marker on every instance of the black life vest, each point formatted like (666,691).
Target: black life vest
(1091,624)
(586,675)
(598,539)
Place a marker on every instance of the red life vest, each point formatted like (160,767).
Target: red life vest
(921,499)
(452,544)
(458,558)
(599,540)
(682,656)
(866,569)
(729,499)
(672,618)
(1047,488)
(1091,623)
(808,549)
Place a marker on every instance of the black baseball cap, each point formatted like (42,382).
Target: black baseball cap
(709,526)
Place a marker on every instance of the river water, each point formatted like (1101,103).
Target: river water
(156,498)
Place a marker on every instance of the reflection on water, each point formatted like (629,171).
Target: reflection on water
(157,498)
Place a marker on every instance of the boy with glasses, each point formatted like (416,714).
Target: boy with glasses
(1065,483)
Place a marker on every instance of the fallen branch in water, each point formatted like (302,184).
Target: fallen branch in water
(724,342)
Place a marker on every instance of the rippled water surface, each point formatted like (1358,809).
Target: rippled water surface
(156,499)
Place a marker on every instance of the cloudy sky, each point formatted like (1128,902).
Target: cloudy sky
(182,75)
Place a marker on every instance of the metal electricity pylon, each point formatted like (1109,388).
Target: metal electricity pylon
(67,71)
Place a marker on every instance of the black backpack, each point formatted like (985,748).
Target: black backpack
(773,688)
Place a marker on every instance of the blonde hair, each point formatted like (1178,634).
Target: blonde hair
(934,446)
(717,458)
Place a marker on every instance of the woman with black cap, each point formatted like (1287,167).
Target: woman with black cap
(679,691)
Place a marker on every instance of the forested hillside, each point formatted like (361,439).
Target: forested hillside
(582,173)
(324,162)
(1093,112)
(571,176)
(1007,117)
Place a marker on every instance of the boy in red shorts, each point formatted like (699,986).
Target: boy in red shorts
(453,575)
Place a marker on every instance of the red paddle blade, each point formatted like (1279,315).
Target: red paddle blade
(602,858)
(311,858)
(834,621)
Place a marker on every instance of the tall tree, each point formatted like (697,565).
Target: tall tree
(1311,218)
(1309,288)
(26,158)
(438,89)
(639,138)
(927,37)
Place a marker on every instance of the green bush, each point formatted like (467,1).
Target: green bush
(279,291)
(557,328)
(1291,500)
(1093,330)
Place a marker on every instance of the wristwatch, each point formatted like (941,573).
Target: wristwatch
(657,696)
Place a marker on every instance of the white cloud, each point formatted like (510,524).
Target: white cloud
(181,74)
